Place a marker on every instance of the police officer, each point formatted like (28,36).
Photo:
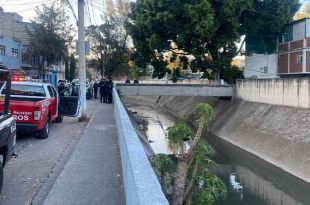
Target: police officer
(102,87)
(110,90)
(96,85)
(61,88)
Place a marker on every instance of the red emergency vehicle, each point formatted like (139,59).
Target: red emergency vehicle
(36,105)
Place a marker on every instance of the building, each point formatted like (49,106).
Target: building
(261,66)
(14,32)
(294,49)
(10,53)
(292,57)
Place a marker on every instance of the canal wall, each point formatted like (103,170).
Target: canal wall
(140,182)
(277,134)
(294,92)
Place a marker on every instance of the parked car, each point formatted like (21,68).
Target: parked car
(7,123)
(35,105)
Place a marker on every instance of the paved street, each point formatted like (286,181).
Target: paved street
(40,161)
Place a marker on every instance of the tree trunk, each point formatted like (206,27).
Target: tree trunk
(162,182)
(188,199)
(184,162)
(179,181)
(101,65)
(189,190)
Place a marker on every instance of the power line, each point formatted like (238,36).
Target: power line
(71,9)
(89,16)
(22,4)
(4,3)
(32,8)
(94,16)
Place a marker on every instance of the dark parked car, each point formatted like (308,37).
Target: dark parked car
(7,122)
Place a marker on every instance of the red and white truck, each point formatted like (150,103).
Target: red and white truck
(36,105)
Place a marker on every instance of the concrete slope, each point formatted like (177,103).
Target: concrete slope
(277,134)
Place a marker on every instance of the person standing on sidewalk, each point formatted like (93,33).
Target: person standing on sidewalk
(96,85)
(102,88)
(110,90)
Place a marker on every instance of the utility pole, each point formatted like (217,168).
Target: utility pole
(81,49)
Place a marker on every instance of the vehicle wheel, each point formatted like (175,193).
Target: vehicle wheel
(43,134)
(1,177)
(59,118)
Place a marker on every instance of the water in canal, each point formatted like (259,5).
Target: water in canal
(249,180)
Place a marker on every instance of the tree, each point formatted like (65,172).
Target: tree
(50,35)
(263,21)
(204,29)
(110,40)
(231,74)
(72,70)
(194,182)
(67,68)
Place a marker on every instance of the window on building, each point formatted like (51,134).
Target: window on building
(265,69)
(14,53)
(2,50)
(299,59)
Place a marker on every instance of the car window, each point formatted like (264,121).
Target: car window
(50,90)
(26,90)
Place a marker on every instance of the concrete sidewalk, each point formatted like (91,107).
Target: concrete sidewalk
(93,174)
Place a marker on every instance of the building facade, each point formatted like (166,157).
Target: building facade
(10,53)
(294,49)
(292,57)
(14,33)
(261,66)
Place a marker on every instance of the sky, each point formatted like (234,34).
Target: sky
(26,8)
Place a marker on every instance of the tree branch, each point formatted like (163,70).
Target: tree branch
(191,184)
(178,53)
(197,137)
(241,46)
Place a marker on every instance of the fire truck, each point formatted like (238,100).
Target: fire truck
(35,105)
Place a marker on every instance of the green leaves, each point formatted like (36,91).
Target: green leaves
(203,113)
(110,42)
(50,34)
(208,189)
(180,133)
(207,30)
(264,21)
(163,163)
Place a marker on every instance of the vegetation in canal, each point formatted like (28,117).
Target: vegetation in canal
(186,177)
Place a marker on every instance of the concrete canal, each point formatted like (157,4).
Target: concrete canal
(249,180)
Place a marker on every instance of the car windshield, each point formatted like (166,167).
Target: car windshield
(27,90)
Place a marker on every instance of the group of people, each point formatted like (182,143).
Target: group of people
(105,89)
(128,81)
(73,90)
